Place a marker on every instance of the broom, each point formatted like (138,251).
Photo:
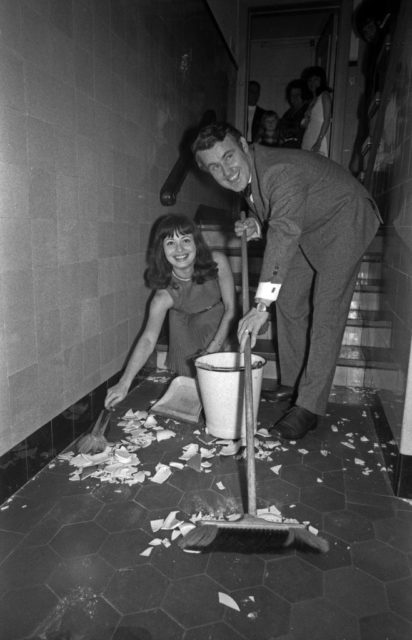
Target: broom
(250,526)
(95,442)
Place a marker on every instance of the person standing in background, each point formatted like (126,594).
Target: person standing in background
(319,113)
(268,130)
(254,111)
(290,126)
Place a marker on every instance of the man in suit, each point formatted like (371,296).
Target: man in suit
(318,221)
(254,111)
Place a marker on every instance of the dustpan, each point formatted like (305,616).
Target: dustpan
(180,402)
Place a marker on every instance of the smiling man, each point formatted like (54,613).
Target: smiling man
(318,221)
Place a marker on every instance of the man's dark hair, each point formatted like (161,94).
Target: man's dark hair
(209,135)
(255,82)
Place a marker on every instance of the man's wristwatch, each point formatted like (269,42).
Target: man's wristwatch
(260,306)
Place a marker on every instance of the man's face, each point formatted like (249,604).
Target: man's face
(228,162)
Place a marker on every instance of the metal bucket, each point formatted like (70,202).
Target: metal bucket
(221,378)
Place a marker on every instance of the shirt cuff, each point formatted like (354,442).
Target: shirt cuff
(268,291)
(257,233)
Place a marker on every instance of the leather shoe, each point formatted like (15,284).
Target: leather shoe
(295,424)
(280,393)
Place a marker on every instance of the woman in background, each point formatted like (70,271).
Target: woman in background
(290,127)
(192,283)
(319,113)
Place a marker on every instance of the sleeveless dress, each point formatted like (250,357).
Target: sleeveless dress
(193,321)
(316,117)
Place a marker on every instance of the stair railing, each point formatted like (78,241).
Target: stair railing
(177,176)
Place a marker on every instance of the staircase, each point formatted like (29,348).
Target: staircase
(365,357)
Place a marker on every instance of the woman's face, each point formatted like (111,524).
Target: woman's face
(313,83)
(180,250)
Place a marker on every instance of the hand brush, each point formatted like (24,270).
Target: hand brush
(95,442)
(250,526)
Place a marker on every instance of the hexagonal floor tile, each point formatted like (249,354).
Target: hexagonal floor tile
(137,589)
(235,571)
(356,591)
(22,514)
(122,549)
(262,615)
(28,566)
(319,619)
(120,516)
(383,626)
(348,526)
(322,498)
(42,532)
(299,475)
(338,556)
(321,462)
(396,532)
(79,539)
(400,597)
(380,560)
(35,602)
(87,571)
(154,496)
(293,579)
(79,508)
(277,492)
(217,631)
(184,597)
(113,492)
(174,564)
(152,624)
(80,614)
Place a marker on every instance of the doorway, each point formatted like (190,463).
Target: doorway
(283,41)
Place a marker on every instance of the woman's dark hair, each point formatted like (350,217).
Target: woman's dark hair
(209,135)
(159,270)
(320,73)
(298,84)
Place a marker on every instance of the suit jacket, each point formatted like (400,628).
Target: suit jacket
(304,199)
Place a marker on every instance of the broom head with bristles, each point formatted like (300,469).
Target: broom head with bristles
(260,532)
(95,442)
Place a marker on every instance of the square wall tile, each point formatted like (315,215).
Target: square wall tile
(20,350)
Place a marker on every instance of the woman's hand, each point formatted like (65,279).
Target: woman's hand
(251,324)
(316,146)
(116,394)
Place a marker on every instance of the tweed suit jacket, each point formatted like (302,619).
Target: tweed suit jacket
(305,200)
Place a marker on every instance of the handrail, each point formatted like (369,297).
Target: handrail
(175,179)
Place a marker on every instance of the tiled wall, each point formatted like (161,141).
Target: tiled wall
(94,98)
(392,187)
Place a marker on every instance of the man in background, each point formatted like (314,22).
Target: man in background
(254,111)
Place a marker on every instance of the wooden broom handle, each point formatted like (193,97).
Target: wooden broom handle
(250,419)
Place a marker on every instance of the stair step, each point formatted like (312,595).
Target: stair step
(349,355)
(356,367)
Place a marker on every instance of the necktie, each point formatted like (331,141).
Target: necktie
(247,191)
